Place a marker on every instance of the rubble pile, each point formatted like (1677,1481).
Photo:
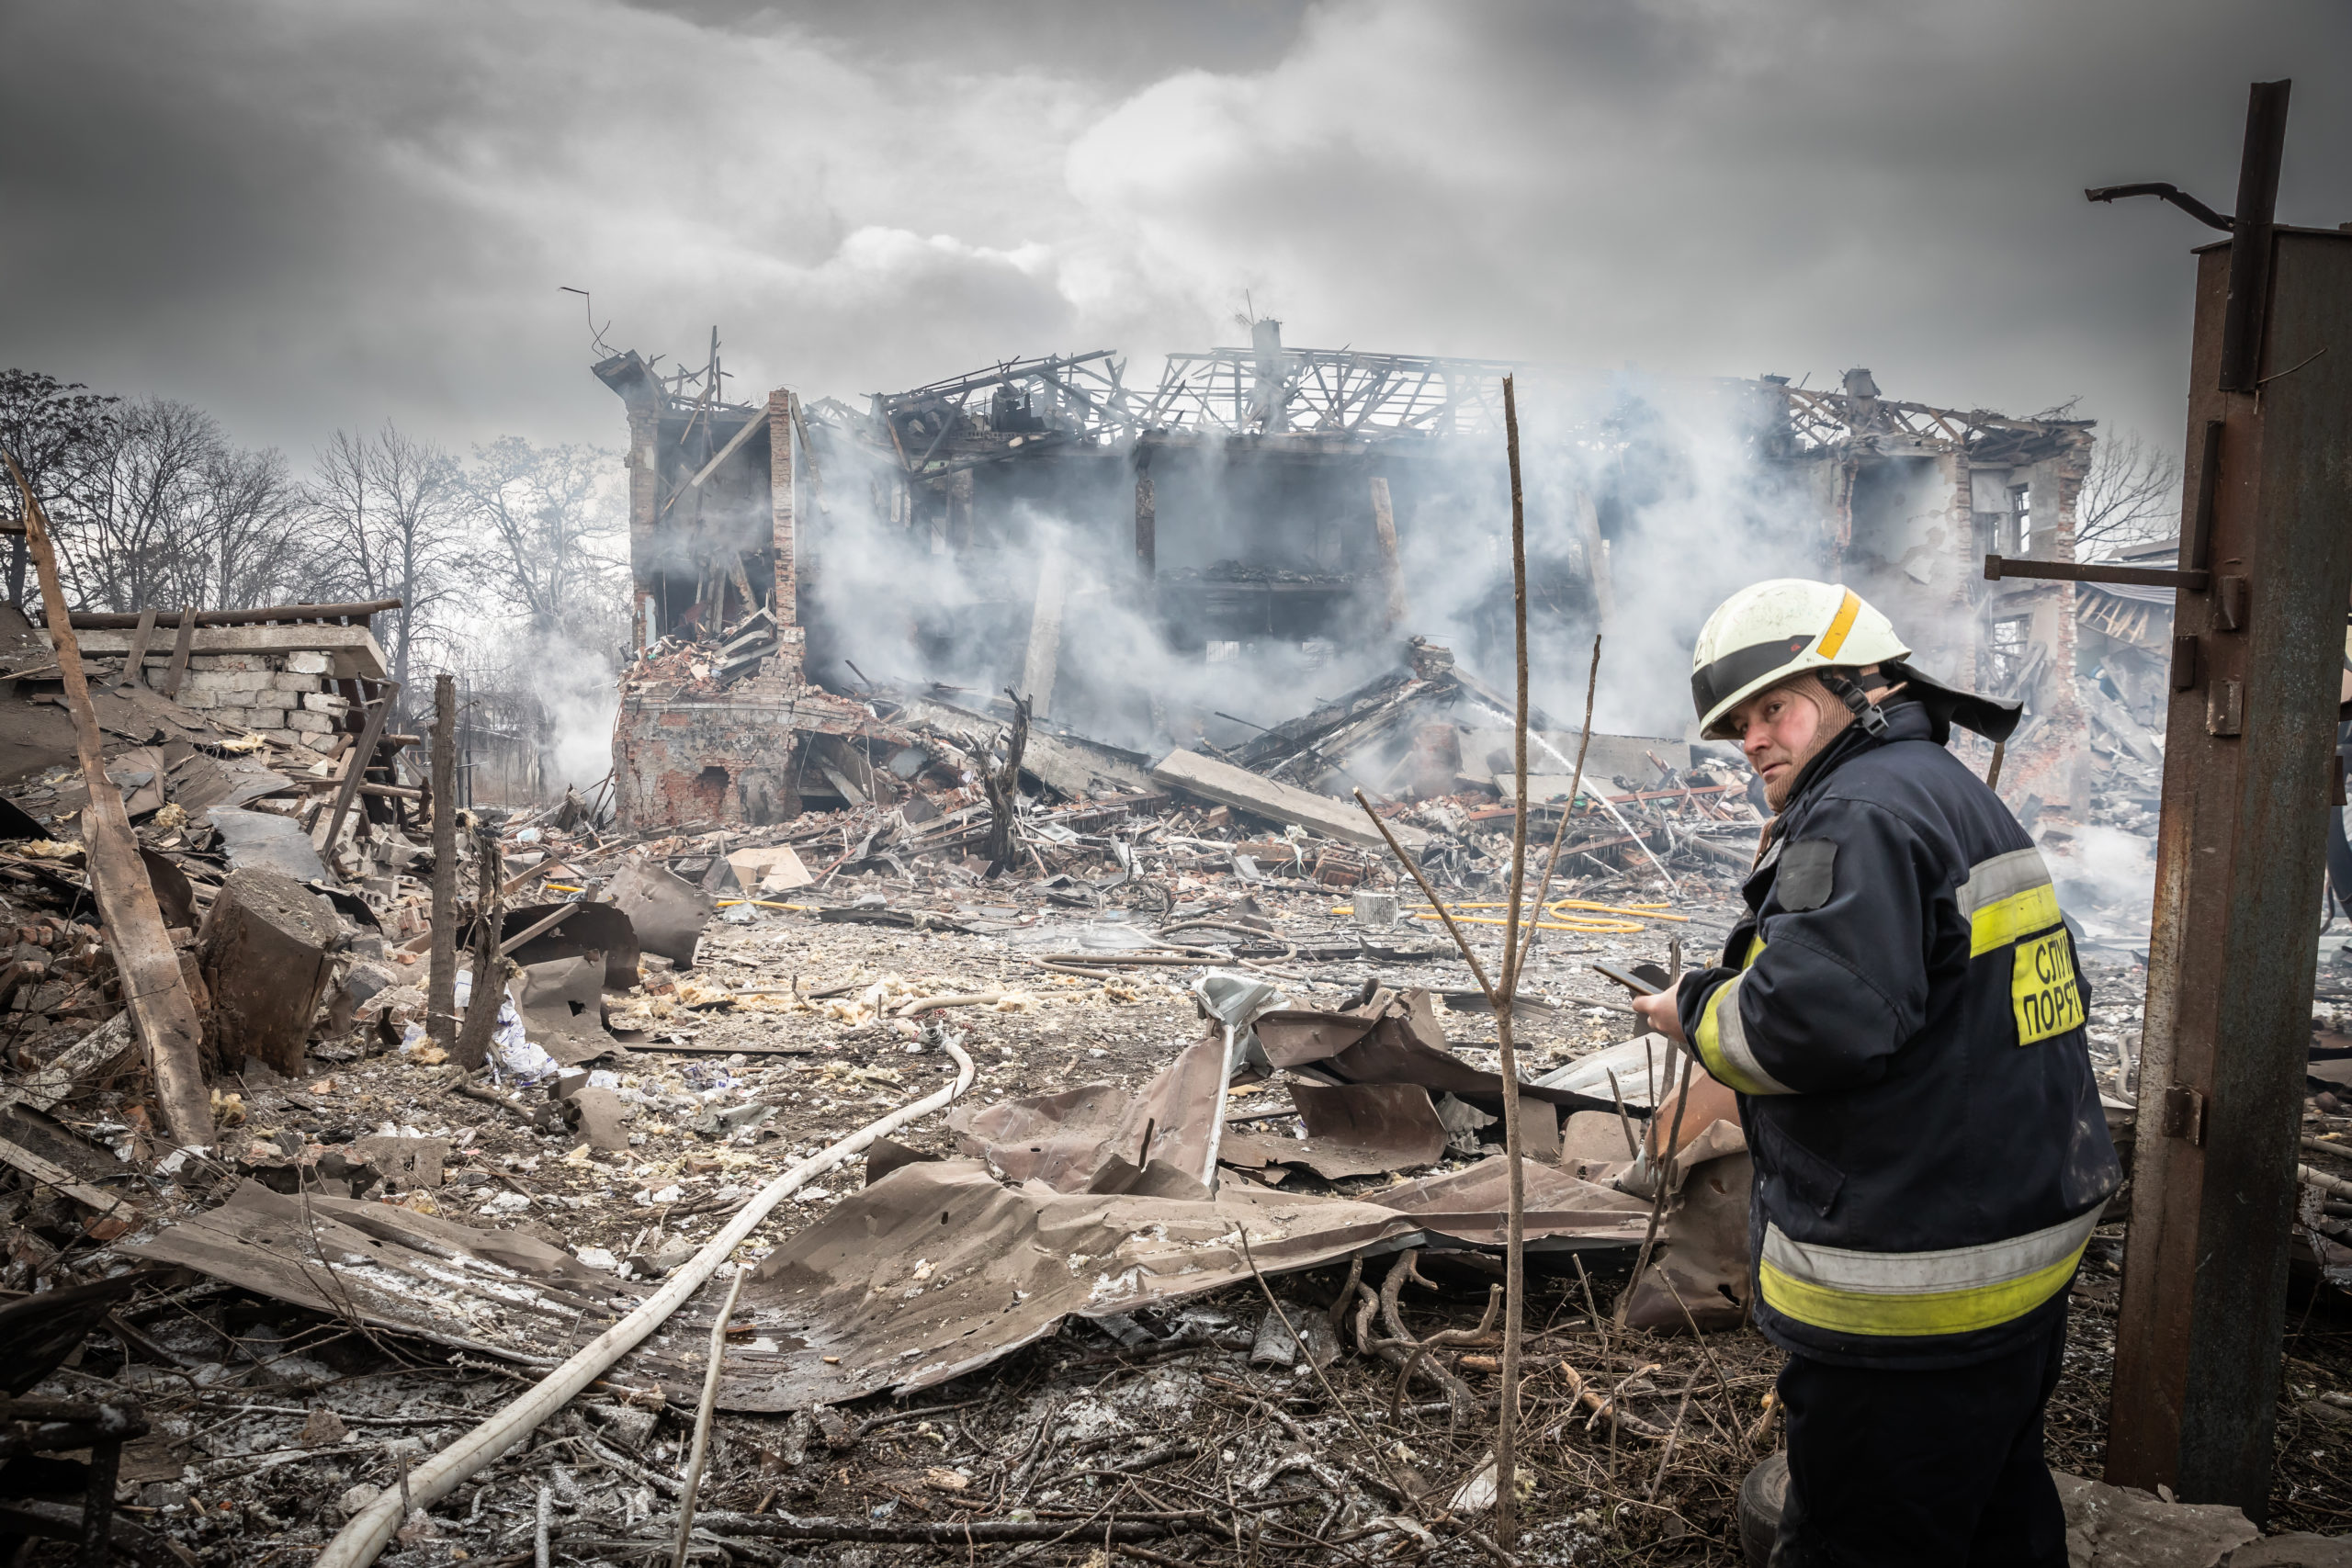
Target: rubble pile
(1200,1265)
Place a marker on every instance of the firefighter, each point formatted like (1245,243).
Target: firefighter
(1902,1020)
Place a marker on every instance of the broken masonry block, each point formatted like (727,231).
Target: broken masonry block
(264,953)
(409,1164)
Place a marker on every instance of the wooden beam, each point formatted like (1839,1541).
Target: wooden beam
(537,927)
(143,955)
(753,423)
(1229,785)
(50,1174)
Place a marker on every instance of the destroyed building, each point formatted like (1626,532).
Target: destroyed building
(1268,517)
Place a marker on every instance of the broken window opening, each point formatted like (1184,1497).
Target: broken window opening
(2021,519)
(2011,637)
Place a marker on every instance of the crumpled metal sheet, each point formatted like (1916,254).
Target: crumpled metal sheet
(933,1270)
(1699,1266)
(1351,1130)
(504,1292)
(1645,1067)
(499,1292)
(940,1268)
(1069,1140)
(1468,1208)
(667,912)
(590,929)
(1394,1038)
(561,1005)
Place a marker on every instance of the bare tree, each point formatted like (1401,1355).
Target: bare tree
(543,520)
(54,430)
(2131,496)
(539,515)
(256,546)
(169,512)
(387,505)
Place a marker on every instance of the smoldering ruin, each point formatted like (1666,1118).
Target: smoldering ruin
(1017,1059)
(1173,564)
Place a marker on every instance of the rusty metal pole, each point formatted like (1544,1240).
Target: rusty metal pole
(2249,745)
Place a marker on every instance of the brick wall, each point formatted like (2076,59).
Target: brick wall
(285,697)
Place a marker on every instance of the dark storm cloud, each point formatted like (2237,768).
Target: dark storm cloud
(303,217)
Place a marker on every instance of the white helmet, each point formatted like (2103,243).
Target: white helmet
(1769,631)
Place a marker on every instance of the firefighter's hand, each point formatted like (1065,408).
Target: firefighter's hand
(1660,1013)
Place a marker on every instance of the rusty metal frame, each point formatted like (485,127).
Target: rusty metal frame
(2251,740)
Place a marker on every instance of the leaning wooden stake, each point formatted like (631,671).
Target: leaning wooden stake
(1515,1232)
(441,993)
(143,956)
(1500,992)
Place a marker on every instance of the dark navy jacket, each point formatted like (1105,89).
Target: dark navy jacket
(1902,1018)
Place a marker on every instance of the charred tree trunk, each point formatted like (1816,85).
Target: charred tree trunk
(472,1048)
(1004,784)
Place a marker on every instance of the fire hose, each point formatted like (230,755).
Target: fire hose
(358,1542)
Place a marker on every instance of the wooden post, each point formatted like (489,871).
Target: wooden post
(1595,558)
(150,968)
(1392,572)
(356,768)
(1003,786)
(140,639)
(441,984)
(177,672)
(1146,517)
(2249,762)
(1044,652)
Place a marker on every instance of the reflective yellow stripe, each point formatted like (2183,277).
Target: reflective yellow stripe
(2020,914)
(1755,951)
(1721,1045)
(1953,1291)
(1946,1312)
(2006,897)
(1843,622)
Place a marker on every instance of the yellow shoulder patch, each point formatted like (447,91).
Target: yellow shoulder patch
(2042,989)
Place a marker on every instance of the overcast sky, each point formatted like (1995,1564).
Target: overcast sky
(305,216)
